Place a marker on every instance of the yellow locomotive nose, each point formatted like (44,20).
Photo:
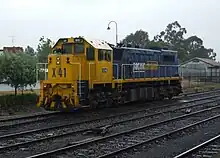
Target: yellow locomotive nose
(57,96)
(56,102)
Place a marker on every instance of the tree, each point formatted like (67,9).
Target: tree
(140,38)
(18,70)
(195,48)
(157,44)
(43,49)
(1,64)
(173,34)
(30,51)
(173,37)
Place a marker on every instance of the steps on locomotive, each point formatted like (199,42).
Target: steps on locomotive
(82,90)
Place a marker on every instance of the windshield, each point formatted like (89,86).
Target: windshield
(78,48)
(68,48)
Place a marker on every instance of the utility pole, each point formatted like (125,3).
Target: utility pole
(12,39)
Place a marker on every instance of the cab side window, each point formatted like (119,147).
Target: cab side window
(100,55)
(104,55)
(108,55)
(90,53)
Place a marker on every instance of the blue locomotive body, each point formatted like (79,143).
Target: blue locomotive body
(131,63)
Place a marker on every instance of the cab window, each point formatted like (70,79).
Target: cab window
(67,48)
(100,54)
(168,58)
(108,55)
(78,48)
(90,53)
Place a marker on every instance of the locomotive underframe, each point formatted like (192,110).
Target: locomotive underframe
(103,95)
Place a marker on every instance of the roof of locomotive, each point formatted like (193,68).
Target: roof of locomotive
(97,43)
(148,50)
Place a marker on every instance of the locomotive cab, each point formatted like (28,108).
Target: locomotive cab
(75,65)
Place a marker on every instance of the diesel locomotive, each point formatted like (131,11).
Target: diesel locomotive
(90,73)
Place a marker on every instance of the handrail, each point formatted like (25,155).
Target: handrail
(79,77)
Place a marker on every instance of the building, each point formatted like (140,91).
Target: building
(200,68)
(13,49)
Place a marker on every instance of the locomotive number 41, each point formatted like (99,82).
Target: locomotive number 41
(59,71)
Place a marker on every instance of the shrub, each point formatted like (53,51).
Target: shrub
(17,102)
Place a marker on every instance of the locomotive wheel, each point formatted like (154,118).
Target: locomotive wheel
(161,97)
(93,104)
(92,101)
(170,96)
(109,102)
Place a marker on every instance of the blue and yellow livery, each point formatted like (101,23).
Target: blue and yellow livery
(88,73)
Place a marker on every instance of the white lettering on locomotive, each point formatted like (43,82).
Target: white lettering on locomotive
(138,66)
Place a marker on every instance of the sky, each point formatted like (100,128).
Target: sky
(28,20)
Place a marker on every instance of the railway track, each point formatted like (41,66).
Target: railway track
(75,133)
(26,119)
(11,131)
(119,143)
(43,116)
(209,148)
(54,119)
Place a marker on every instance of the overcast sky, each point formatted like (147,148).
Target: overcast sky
(28,20)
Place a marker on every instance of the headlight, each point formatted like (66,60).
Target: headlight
(58,62)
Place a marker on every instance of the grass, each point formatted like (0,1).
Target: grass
(199,86)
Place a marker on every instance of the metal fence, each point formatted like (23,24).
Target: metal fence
(200,75)
(41,71)
(195,77)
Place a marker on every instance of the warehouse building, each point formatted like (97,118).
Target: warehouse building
(201,69)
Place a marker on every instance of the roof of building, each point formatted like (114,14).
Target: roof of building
(13,49)
(205,60)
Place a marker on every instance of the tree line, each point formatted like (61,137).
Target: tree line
(172,38)
(19,70)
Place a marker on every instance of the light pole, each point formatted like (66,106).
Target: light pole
(116,30)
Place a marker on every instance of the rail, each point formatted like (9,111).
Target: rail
(140,118)
(198,147)
(102,142)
